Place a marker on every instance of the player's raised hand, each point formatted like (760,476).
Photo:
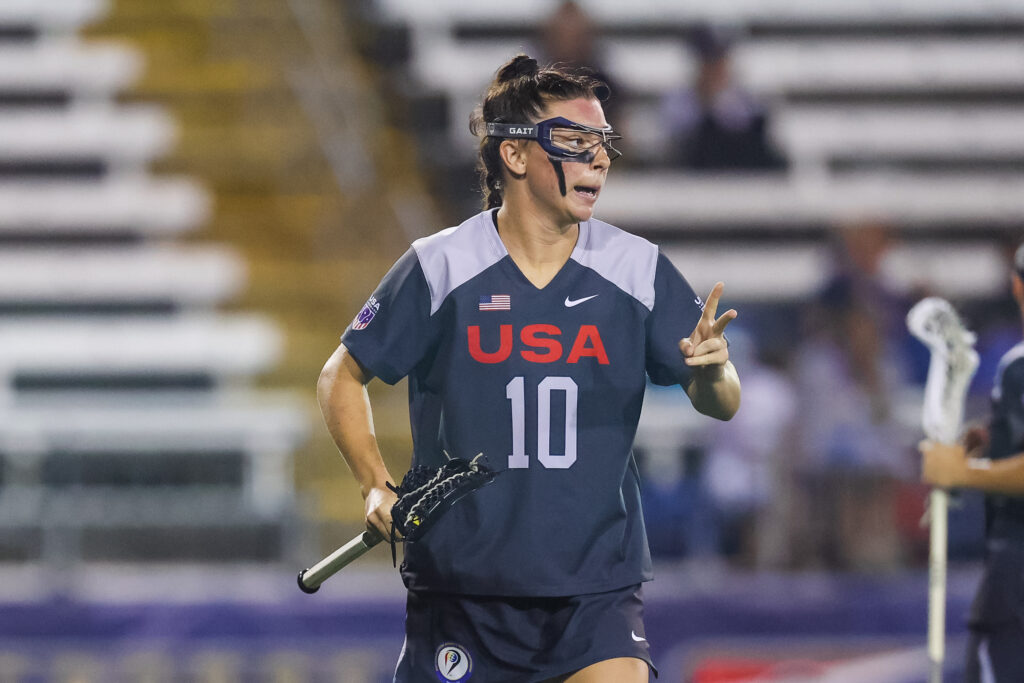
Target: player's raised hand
(706,344)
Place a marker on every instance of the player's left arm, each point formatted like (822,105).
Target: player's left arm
(714,387)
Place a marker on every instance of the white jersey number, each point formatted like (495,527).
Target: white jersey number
(515,391)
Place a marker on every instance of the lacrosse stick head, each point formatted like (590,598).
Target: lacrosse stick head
(427,493)
(954,361)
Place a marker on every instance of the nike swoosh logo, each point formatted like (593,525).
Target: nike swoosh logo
(569,303)
(636,637)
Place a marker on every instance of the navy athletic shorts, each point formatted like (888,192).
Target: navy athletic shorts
(997,614)
(454,638)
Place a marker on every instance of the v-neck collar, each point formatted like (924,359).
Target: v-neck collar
(495,243)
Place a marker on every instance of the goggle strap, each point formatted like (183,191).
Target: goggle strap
(511,130)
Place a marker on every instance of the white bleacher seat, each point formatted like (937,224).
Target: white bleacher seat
(674,201)
(113,507)
(905,64)
(646,66)
(52,15)
(119,203)
(97,69)
(784,272)
(817,132)
(647,69)
(122,135)
(182,275)
(218,345)
(613,12)
(224,422)
(954,270)
(266,428)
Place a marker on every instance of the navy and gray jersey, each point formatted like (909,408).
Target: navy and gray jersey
(1007,428)
(998,610)
(547,383)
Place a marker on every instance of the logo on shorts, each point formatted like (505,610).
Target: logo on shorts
(366,315)
(453,664)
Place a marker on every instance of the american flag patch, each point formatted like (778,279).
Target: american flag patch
(496,302)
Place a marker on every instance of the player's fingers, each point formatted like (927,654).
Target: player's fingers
(711,352)
(711,305)
(716,358)
(375,531)
(719,327)
(686,346)
(710,345)
(381,525)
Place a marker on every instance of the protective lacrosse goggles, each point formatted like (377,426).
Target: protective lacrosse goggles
(562,139)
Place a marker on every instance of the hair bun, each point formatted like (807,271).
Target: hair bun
(521,65)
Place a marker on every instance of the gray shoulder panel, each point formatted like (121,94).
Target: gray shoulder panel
(1011,356)
(454,256)
(625,260)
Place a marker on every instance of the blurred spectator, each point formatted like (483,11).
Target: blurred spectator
(849,372)
(567,37)
(716,125)
(670,447)
(680,518)
(747,461)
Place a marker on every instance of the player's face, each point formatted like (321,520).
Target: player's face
(583,180)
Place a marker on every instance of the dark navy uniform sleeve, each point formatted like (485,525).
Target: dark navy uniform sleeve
(1008,432)
(675,314)
(394,330)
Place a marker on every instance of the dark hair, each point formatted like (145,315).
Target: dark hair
(518,93)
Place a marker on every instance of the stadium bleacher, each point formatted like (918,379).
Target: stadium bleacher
(130,426)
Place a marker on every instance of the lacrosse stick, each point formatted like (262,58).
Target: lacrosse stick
(953,362)
(424,495)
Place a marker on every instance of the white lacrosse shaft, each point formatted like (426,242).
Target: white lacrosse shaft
(953,363)
(310,579)
(938,515)
(941,428)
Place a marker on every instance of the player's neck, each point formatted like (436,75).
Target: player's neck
(538,246)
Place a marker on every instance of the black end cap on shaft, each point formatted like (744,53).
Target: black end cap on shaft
(303,587)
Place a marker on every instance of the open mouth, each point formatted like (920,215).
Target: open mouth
(587,191)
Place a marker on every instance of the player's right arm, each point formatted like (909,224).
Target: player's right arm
(968,464)
(965,465)
(345,405)
(953,466)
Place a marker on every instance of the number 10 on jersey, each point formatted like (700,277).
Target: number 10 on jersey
(515,392)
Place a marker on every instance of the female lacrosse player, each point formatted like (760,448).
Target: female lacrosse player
(992,460)
(527,333)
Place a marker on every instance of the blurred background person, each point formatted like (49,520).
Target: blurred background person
(715,124)
(568,37)
(746,468)
(991,459)
(850,370)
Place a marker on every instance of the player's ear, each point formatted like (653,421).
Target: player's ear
(513,155)
(1017,285)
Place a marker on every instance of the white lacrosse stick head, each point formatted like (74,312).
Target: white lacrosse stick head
(954,361)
